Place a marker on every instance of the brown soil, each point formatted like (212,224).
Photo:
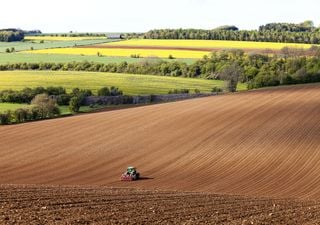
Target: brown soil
(99,205)
(248,50)
(260,143)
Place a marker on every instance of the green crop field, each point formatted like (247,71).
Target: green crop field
(36,45)
(11,106)
(128,83)
(60,58)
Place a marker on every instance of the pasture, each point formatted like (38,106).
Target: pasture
(130,84)
(61,38)
(65,58)
(28,45)
(11,106)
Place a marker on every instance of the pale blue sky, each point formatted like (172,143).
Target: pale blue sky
(143,15)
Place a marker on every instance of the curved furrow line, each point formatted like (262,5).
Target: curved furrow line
(259,143)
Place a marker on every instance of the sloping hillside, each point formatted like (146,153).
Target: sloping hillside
(260,143)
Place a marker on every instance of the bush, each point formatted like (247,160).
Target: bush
(20,115)
(179,91)
(135,56)
(231,74)
(47,106)
(75,104)
(63,99)
(216,90)
(114,91)
(27,94)
(55,90)
(84,92)
(5,118)
(35,113)
(104,92)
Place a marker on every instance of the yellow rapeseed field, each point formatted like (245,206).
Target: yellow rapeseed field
(207,44)
(124,52)
(54,38)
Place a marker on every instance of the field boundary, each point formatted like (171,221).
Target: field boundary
(142,99)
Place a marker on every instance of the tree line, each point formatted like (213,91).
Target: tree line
(9,35)
(232,35)
(304,32)
(42,107)
(43,102)
(306,26)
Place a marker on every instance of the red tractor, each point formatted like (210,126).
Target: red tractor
(130,175)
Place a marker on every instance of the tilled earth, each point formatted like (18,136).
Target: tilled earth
(100,205)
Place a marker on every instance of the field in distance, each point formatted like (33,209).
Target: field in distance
(37,44)
(130,84)
(164,48)
(61,38)
(206,44)
(65,58)
(125,52)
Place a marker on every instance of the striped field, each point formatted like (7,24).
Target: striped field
(162,53)
(130,84)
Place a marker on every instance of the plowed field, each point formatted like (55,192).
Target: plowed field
(35,205)
(262,144)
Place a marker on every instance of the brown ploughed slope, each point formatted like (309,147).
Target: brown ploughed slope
(260,143)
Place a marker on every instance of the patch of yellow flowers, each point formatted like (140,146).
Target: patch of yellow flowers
(124,52)
(208,44)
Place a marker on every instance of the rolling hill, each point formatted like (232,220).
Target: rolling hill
(261,143)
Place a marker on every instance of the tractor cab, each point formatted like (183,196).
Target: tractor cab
(131,170)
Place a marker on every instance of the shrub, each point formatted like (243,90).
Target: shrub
(179,91)
(104,92)
(230,74)
(114,91)
(20,115)
(5,117)
(47,106)
(63,99)
(216,90)
(75,104)
(55,90)
(135,56)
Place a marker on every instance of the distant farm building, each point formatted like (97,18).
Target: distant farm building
(114,36)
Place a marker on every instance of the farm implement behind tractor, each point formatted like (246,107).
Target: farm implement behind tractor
(130,175)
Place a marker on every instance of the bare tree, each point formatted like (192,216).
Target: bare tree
(46,105)
(231,75)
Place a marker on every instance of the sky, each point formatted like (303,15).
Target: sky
(142,15)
